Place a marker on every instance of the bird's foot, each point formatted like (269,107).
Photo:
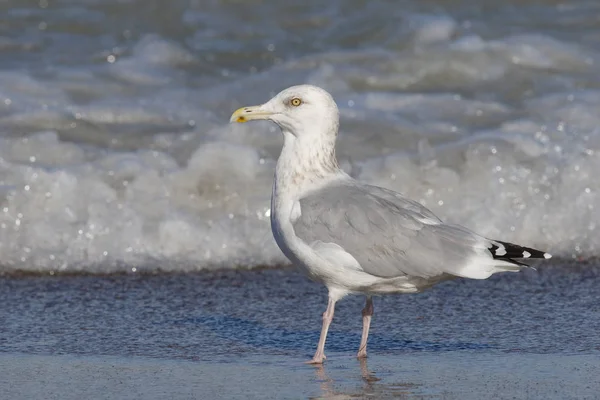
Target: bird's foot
(362,353)
(317,359)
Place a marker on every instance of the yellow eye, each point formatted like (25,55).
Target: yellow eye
(295,102)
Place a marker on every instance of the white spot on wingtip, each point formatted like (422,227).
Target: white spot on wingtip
(501,251)
(547,256)
(526,254)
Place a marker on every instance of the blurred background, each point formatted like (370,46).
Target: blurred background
(116,153)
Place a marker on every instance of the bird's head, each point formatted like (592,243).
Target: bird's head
(299,110)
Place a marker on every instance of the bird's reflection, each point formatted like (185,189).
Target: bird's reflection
(371,385)
(327,383)
(366,374)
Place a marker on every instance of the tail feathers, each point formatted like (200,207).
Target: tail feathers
(508,252)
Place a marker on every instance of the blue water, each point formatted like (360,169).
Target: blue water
(528,335)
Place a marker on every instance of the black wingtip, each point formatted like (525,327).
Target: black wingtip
(509,251)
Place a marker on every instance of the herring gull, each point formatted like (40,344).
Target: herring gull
(354,237)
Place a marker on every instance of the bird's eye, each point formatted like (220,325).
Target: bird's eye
(295,102)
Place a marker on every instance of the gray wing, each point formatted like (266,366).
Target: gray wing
(388,234)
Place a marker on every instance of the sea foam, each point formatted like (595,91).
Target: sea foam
(123,167)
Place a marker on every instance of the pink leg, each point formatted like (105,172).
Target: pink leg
(327,318)
(367,312)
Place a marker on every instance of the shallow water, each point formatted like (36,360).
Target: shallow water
(238,334)
(413,376)
(116,153)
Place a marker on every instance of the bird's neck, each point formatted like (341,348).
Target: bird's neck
(306,162)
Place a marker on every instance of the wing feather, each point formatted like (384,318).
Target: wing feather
(388,234)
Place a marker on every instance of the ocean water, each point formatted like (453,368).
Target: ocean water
(116,154)
(131,211)
(134,219)
(236,334)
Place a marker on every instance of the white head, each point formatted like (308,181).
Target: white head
(302,110)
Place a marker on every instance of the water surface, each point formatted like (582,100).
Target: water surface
(247,334)
(116,153)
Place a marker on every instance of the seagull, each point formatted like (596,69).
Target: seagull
(353,237)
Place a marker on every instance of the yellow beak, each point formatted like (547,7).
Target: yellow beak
(246,114)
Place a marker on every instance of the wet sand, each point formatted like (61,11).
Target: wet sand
(451,376)
(245,334)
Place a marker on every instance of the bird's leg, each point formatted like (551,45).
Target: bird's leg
(327,318)
(367,312)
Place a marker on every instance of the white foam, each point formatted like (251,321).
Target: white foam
(146,173)
(137,209)
(431,29)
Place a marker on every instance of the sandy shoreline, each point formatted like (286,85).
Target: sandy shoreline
(452,376)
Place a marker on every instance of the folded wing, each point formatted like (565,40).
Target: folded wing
(391,236)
